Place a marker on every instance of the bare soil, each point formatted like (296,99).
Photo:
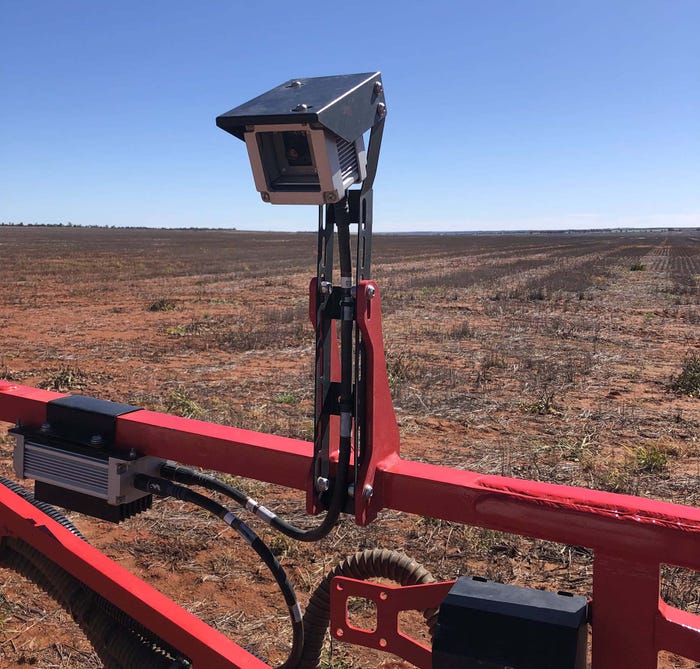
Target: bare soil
(543,356)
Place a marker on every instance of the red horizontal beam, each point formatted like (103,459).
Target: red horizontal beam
(620,524)
(641,529)
(255,455)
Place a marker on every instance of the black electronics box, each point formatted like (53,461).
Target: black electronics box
(488,625)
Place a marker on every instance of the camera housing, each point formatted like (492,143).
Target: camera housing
(305,137)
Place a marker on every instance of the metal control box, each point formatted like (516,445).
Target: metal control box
(488,625)
(75,463)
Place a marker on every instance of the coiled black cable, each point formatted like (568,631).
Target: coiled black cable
(165,488)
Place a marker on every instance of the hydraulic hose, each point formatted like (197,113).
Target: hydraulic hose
(164,488)
(189,476)
(119,640)
(366,564)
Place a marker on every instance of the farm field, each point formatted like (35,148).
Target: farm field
(555,357)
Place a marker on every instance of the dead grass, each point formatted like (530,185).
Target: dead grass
(537,356)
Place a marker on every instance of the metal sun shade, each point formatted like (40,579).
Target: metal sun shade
(305,137)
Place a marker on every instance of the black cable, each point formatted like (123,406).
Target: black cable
(164,488)
(190,476)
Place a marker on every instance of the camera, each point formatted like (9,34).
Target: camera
(305,137)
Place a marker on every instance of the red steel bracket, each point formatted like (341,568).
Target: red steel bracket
(381,430)
(381,437)
(389,601)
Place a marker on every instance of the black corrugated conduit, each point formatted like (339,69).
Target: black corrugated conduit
(165,488)
(119,640)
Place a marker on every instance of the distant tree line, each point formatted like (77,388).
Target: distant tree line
(68,224)
(22,224)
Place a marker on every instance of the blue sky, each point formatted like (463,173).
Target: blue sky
(501,115)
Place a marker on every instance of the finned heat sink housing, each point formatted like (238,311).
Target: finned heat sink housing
(75,463)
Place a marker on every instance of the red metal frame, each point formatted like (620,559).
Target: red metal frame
(631,537)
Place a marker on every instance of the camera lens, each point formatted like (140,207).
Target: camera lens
(296,149)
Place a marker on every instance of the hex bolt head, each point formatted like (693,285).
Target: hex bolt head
(96,439)
(370,292)
(300,107)
(326,287)
(322,484)
(367,492)
(381,110)
(378,88)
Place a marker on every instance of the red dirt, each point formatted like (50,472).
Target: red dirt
(538,356)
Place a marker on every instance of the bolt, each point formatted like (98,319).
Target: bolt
(132,454)
(295,83)
(326,287)
(381,110)
(300,107)
(265,196)
(367,492)
(322,484)
(95,440)
(121,469)
(351,490)
(378,88)
(330,196)
(46,427)
(370,292)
